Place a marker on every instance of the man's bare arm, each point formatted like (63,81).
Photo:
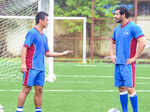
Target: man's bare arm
(23,59)
(112,51)
(141,46)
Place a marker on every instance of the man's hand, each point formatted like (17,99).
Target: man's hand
(131,60)
(56,54)
(23,68)
(67,52)
(113,58)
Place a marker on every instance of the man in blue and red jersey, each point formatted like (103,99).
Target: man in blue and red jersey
(125,38)
(32,64)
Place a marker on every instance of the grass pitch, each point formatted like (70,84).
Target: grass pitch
(78,88)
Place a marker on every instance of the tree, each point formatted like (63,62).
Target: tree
(82,8)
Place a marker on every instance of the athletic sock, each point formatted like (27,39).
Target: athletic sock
(134,102)
(19,109)
(38,109)
(124,101)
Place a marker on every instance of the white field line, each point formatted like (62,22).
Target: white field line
(84,76)
(94,76)
(93,82)
(80,91)
(142,77)
(78,76)
(93,65)
(86,65)
(142,83)
(83,64)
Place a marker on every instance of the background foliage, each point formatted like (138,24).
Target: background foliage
(82,8)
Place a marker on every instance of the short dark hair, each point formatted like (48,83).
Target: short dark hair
(40,15)
(123,10)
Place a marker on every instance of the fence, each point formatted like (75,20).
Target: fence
(103,29)
(140,14)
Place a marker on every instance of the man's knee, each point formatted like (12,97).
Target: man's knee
(131,90)
(27,90)
(38,90)
(122,89)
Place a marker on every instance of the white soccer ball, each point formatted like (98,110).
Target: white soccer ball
(51,78)
(1,108)
(113,110)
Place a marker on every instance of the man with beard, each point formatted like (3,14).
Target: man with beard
(125,38)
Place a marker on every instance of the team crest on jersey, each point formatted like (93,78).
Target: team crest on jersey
(126,33)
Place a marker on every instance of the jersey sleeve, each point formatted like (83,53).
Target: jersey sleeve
(137,32)
(114,36)
(29,39)
(46,45)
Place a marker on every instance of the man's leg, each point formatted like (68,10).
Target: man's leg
(38,98)
(133,99)
(124,98)
(120,84)
(22,97)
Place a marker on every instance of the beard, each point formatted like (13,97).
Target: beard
(119,21)
(45,26)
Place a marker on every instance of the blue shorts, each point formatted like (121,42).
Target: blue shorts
(33,77)
(125,75)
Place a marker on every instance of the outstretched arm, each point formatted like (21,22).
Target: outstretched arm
(112,51)
(141,46)
(56,54)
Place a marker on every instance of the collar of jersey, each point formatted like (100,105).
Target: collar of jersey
(122,26)
(38,30)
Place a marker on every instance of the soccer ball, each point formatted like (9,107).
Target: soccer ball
(113,110)
(51,78)
(1,108)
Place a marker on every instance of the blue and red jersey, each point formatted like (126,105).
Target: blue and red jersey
(37,46)
(125,38)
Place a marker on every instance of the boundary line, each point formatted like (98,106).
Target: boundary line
(76,76)
(80,91)
(94,76)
